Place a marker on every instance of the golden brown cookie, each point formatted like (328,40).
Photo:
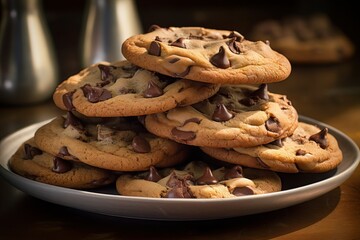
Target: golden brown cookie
(123,89)
(198,180)
(119,144)
(31,162)
(308,149)
(312,39)
(238,115)
(206,55)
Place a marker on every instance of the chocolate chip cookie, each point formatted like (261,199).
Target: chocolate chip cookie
(308,149)
(237,116)
(206,55)
(198,180)
(120,144)
(312,39)
(123,89)
(31,162)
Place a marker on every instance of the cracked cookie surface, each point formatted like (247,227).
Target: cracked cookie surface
(241,115)
(123,89)
(198,180)
(206,55)
(119,144)
(31,162)
(308,149)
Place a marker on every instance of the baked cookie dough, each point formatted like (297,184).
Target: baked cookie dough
(31,162)
(236,116)
(312,39)
(206,55)
(308,149)
(123,89)
(119,144)
(198,180)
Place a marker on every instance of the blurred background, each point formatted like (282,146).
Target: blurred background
(65,19)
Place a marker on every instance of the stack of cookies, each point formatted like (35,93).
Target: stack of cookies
(187,115)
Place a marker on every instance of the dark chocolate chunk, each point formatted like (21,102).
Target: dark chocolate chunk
(61,165)
(152,90)
(254,97)
(63,152)
(73,121)
(96,94)
(153,28)
(67,100)
(179,43)
(300,152)
(194,120)
(182,135)
(233,47)
(242,191)
(155,48)
(234,172)
(140,145)
(179,186)
(153,175)
(221,114)
(238,37)
(277,142)
(31,151)
(261,163)
(183,74)
(206,178)
(272,125)
(220,60)
(106,74)
(320,138)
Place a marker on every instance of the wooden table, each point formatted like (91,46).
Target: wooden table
(329,93)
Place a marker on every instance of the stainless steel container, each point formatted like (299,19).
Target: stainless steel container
(106,25)
(28,68)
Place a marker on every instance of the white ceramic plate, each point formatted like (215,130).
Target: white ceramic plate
(298,188)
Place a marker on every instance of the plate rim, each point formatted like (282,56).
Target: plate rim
(344,175)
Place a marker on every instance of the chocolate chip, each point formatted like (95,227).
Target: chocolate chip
(155,48)
(73,121)
(320,138)
(95,94)
(221,114)
(183,135)
(179,186)
(254,97)
(300,152)
(272,125)
(220,60)
(124,90)
(242,191)
(206,178)
(184,73)
(63,152)
(152,90)
(174,60)
(61,165)
(153,175)
(234,172)
(277,142)
(194,120)
(153,28)
(179,43)
(238,37)
(140,145)
(67,100)
(106,73)
(233,47)
(261,163)
(178,192)
(31,151)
